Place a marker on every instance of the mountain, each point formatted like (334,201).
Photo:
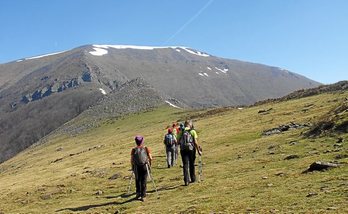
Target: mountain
(39,94)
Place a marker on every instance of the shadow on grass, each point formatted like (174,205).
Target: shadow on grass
(124,195)
(87,207)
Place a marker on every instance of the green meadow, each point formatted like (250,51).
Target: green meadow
(243,171)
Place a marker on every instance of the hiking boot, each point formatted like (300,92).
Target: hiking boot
(186,183)
(142,199)
(137,196)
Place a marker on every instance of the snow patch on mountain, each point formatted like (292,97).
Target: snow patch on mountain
(222,70)
(171,104)
(102,91)
(98,52)
(100,49)
(37,57)
(198,53)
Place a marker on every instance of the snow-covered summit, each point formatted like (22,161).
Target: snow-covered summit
(100,50)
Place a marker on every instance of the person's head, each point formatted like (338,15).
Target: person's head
(139,140)
(170,131)
(182,126)
(188,123)
(174,125)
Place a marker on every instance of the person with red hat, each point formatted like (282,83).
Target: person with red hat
(140,159)
(170,144)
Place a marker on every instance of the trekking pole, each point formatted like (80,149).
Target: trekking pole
(200,165)
(153,182)
(130,182)
(200,168)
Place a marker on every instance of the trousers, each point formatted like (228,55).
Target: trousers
(188,162)
(141,173)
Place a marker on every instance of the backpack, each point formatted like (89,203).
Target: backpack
(169,140)
(140,156)
(186,141)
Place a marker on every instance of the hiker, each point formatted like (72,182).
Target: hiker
(181,127)
(170,144)
(140,160)
(176,130)
(188,147)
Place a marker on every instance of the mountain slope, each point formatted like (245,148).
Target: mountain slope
(243,170)
(39,94)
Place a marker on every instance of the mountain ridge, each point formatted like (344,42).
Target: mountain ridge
(53,83)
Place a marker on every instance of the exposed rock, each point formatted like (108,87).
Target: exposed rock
(56,160)
(320,166)
(55,87)
(292,143)
(333,122)
(291,157)
(86,77)
(115,176)
(264,177)
(339,140)
(48,90)
(341,156)
(332,208)
(281,174)
(99,192)
(46,196)
(273,211)
(272,146)
(283,128)
(264,111)
(59,149)
(338,145)
(311,194)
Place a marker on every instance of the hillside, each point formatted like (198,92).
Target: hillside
(244,170)
(39,94)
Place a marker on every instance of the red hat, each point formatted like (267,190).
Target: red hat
(170,131)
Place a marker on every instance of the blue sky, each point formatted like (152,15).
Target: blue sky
(309,37)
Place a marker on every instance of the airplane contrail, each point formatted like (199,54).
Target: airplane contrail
(189,21)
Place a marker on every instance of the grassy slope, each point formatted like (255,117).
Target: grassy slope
(240,175)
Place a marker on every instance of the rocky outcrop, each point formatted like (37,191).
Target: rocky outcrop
(56,87)
(283,128)
(320,166)
(133,96)
(334,121)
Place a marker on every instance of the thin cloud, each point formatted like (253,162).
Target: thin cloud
(189,21)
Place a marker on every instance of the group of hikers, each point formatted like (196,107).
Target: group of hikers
(183,138)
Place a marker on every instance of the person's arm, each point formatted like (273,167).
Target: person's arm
(195,142)
(149,155)
(131,159)
(175,141)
